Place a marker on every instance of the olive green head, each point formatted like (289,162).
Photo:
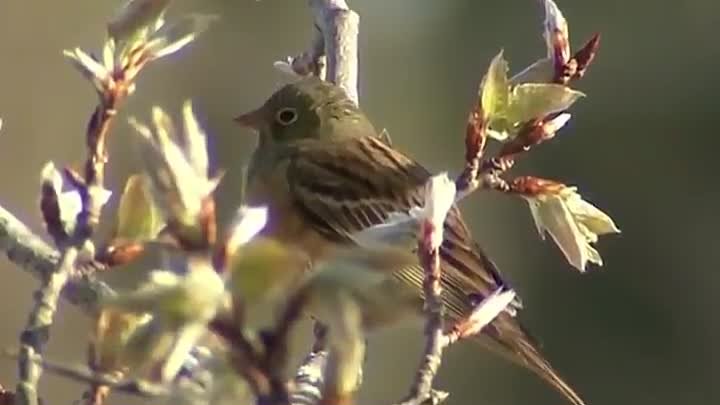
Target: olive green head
(308,108)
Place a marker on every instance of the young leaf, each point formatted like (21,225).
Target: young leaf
(171,38)
(111,334)
(248,222)
(556,33)
(265,269)
(181,193)
(90,68)
(137,219)
(573,223)
(535,101)
(542,71)
(495,88)
(439,198)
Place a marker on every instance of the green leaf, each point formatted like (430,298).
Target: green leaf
(495,94)
(542,71)
(263,270)
(534,101)
(171,38)
(573,223)
(137,218)
(90,68)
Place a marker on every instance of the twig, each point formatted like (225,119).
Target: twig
(333,56)
(32,254)
(37,329)
(36,333)
(422,389)
(474,175)
(134,387)
(339,27)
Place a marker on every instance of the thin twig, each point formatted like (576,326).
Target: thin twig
(37,329)
(476,174)
(32,254)
(134,387)
(422,388)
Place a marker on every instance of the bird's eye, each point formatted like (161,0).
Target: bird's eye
(286,116)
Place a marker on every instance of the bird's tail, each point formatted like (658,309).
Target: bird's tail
(506,337)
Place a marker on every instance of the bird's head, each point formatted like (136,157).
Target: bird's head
(308,108)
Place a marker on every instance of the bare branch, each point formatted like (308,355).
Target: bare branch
(37,329)
(339,27)
(333,54)
(35,256)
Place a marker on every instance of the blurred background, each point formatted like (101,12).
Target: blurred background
(640,330)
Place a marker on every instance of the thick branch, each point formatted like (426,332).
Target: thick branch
(339,27)
(333,53)
(333,56)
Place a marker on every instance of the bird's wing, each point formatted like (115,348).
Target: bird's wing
(347,185)
(344,186)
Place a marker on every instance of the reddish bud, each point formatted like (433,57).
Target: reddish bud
(475,135)
(50,205)
(119,253)
(533,186)
(531,134)
(585,55)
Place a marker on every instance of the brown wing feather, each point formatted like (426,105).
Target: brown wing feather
(345,188)
(346,185)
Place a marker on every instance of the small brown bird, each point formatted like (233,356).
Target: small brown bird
(324,174)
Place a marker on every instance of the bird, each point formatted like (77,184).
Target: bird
(325,173)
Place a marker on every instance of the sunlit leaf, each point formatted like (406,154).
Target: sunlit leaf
(112,332)
(193,140)
(439,198)
(171,38)
(556,33)
(174,298)
(90,68)
(178,177)
(137,219)
(249,222)
(109,54)
(542,71)
(573,223)
(535,101)
(264,269)
(495,88)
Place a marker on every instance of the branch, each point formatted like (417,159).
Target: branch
(35,256)
(37,329)
(332,56)
(29,252)
(339,27)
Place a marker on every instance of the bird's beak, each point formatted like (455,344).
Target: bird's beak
(253,119)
